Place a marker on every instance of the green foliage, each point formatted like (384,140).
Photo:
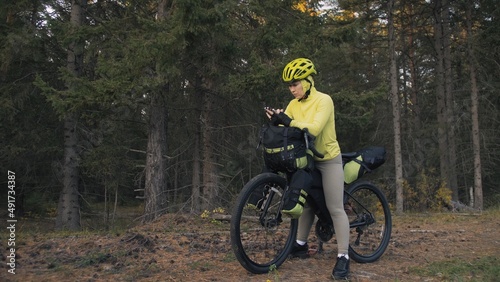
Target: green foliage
(96,258)
(30,144)
(233,51)
(473,269)
(356,116)
(274,273)
(39,204)
(429,193)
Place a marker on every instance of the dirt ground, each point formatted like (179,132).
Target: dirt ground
(191,248)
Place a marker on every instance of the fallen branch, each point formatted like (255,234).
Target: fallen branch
(460,207)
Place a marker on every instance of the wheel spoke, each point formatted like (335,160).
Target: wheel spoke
(260,236)
(370,221)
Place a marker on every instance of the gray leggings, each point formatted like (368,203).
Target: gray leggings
(333,186)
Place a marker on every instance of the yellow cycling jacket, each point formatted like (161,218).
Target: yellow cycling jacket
(316,113)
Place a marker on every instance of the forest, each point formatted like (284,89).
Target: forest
(158,104)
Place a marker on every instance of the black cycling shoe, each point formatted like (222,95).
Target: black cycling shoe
(299,251)
(341,269)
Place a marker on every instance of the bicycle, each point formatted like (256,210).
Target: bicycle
(261,238)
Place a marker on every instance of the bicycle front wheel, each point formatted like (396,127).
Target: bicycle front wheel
(370,220)
(261,238)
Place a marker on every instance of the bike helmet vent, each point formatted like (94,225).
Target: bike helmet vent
(298,69)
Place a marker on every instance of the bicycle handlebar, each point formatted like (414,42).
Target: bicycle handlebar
(309,138)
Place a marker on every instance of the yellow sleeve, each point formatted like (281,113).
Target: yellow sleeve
(317,117)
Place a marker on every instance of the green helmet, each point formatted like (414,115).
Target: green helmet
(298,69)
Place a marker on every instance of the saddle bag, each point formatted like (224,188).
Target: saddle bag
(368,159)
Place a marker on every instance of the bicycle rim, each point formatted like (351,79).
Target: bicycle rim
(260,238)
(371,223)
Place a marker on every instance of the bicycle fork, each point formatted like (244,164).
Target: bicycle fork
(274,220)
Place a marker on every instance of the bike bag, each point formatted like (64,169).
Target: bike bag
(366,160)
(284,148)
(296,194)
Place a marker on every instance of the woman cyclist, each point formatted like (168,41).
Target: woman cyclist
(314,110)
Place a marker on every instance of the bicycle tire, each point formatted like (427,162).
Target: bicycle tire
(261,238)
(371,222)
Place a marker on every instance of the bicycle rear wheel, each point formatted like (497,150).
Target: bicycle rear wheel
(370,220)
(261,238)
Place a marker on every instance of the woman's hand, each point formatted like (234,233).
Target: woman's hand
(278,116)
(270,112)
(283,118)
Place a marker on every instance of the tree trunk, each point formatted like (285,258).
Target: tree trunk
(196,182)
(440,92)
(396,111)
(155,198)
(209,171)
(68,209)
(478,183)
(450,113)
(415,128)
(155,185)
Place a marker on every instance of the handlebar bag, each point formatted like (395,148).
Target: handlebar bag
(284,148)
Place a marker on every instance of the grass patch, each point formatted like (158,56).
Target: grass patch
(202,265)
(97,258)
(481,269)
(229,257)
(443,218)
